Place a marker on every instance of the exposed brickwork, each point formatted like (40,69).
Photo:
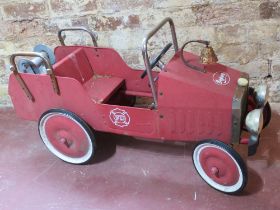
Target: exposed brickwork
(269,9)
(109,23)
(245,33)
(124,5)
(226,13)
(25,10)
(76,6)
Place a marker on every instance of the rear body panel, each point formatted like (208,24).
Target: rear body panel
(75,99)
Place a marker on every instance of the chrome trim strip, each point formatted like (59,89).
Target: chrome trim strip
(239,108)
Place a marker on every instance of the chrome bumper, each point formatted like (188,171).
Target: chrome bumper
(254,119)
(239,108)
(254,124)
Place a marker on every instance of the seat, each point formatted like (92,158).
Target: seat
(74,65)
(100,89)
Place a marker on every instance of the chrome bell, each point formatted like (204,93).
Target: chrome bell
(208,55)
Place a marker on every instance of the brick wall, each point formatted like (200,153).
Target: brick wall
(244,33)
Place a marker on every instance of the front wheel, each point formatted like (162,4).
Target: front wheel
(67,136)
(220,166)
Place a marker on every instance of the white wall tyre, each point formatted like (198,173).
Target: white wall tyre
(220,166)
(67,136)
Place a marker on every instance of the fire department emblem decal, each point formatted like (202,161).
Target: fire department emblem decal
(221,78)
(119,117)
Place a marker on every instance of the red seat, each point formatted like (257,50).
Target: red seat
(74,65)
(100,89)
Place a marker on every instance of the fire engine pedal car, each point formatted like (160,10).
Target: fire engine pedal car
(80,90)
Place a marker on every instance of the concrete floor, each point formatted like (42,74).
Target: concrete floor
(127,174)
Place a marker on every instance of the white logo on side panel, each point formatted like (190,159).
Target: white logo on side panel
(119,117)
(221,78)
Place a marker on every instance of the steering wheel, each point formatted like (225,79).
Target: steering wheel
(157,59)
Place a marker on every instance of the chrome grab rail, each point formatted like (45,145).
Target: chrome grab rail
(145,52)
(45,61)
(92,34)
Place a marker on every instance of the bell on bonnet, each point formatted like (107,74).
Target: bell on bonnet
(208,55)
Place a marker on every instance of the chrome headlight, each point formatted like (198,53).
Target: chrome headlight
(254,121)
(261,95)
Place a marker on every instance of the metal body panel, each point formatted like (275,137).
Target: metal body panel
(194,106)
(75,99)
(191,106)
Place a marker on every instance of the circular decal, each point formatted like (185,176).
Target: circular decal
(221,78)
(119,117)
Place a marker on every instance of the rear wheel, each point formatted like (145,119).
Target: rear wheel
(67,136)
(220,166)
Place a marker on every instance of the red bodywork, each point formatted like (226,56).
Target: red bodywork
(94,82)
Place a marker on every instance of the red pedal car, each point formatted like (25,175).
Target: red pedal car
(81,90)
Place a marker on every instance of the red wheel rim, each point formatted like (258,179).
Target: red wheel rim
(219,166)
(66,136)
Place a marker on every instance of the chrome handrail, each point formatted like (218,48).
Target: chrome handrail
(93,35)
(45,61)
(145,51)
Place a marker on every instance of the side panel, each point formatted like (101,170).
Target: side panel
(193,114)
(129,120)
(194,124)
(73,97)
(195,105)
